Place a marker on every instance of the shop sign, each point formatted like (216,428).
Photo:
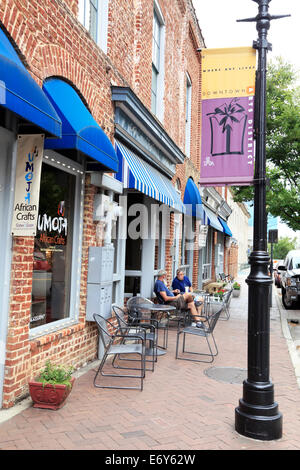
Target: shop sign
(228,89)
(203,230)
(27,187)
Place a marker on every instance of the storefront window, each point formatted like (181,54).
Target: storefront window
(133,258)
(207,253)
(52,263)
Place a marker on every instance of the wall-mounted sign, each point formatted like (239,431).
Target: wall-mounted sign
(203,230)
(27,187)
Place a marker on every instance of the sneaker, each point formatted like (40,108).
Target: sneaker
(199,324)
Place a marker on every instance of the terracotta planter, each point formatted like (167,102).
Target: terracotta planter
(236,292)
(49,396)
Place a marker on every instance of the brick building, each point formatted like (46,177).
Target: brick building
(114,88)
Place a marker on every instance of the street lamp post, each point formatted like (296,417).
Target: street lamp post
(257,415)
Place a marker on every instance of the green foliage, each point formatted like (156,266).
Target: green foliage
(236,286)
(284,245)
(282,146)
(55,375)
(219,294)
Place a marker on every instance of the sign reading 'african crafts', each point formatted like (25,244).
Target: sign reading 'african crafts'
(228,88)
(27,188)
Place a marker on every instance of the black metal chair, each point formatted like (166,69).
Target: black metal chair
(138,314)
(147,330)
(180,317)
(205,332)
(110,348)
(225,302)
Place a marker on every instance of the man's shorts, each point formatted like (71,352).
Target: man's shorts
(180,303)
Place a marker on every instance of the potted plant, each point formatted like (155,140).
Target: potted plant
(236,289)
(51,388)
(219,295)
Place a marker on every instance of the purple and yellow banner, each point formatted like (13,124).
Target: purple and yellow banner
(228,88)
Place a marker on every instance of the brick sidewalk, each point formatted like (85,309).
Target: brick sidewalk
(180,407)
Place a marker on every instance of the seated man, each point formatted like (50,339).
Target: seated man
(180,282)
(180,301)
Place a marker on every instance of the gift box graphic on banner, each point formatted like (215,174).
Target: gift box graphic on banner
(228,125)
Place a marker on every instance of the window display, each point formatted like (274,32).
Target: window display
(53,247)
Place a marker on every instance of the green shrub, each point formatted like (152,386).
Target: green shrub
(236,285)
(55,375)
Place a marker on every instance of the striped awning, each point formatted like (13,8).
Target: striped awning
(135,173)
(211,219)
(226,229)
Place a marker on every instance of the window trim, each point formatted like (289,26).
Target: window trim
(188,115)
(159,110)
(207,253)
(59,161)
(102,21)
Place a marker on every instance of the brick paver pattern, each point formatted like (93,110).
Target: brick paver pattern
(180,408)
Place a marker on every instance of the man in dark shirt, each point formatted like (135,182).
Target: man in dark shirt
(180,301)
(181,282)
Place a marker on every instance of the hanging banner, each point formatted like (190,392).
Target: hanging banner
(228,88)
(27,187)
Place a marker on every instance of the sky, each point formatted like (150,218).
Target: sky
(217,20)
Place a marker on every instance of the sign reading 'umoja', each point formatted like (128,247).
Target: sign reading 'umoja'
(228,79)
(27,187)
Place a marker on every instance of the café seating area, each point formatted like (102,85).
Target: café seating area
(139,336)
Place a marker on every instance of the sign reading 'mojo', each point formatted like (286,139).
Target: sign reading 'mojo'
(27,187)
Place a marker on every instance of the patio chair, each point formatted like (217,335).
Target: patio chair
(138,314)
(180,317)
(135,312)
(225,301)
(110,348)
(142,328)
(205,332)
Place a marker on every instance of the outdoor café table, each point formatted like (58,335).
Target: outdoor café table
(156,309)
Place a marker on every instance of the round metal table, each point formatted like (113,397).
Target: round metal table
(156,308)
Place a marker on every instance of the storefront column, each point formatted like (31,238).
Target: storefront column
(7,178)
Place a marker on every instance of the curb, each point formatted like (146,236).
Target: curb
(295,358)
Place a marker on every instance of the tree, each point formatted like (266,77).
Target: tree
(284,245)
(282,146)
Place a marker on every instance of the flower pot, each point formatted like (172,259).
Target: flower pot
(236,292)
(51,397)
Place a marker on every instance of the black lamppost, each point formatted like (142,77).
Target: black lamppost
(257,415)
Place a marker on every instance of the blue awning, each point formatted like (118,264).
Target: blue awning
(210,218)
(226,229)
(137,174)
(80,131)
(20,94)
(192,200)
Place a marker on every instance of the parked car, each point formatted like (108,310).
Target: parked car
(290,279)
(277,272)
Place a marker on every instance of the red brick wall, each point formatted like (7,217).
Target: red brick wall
(232,260)
(51,41)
